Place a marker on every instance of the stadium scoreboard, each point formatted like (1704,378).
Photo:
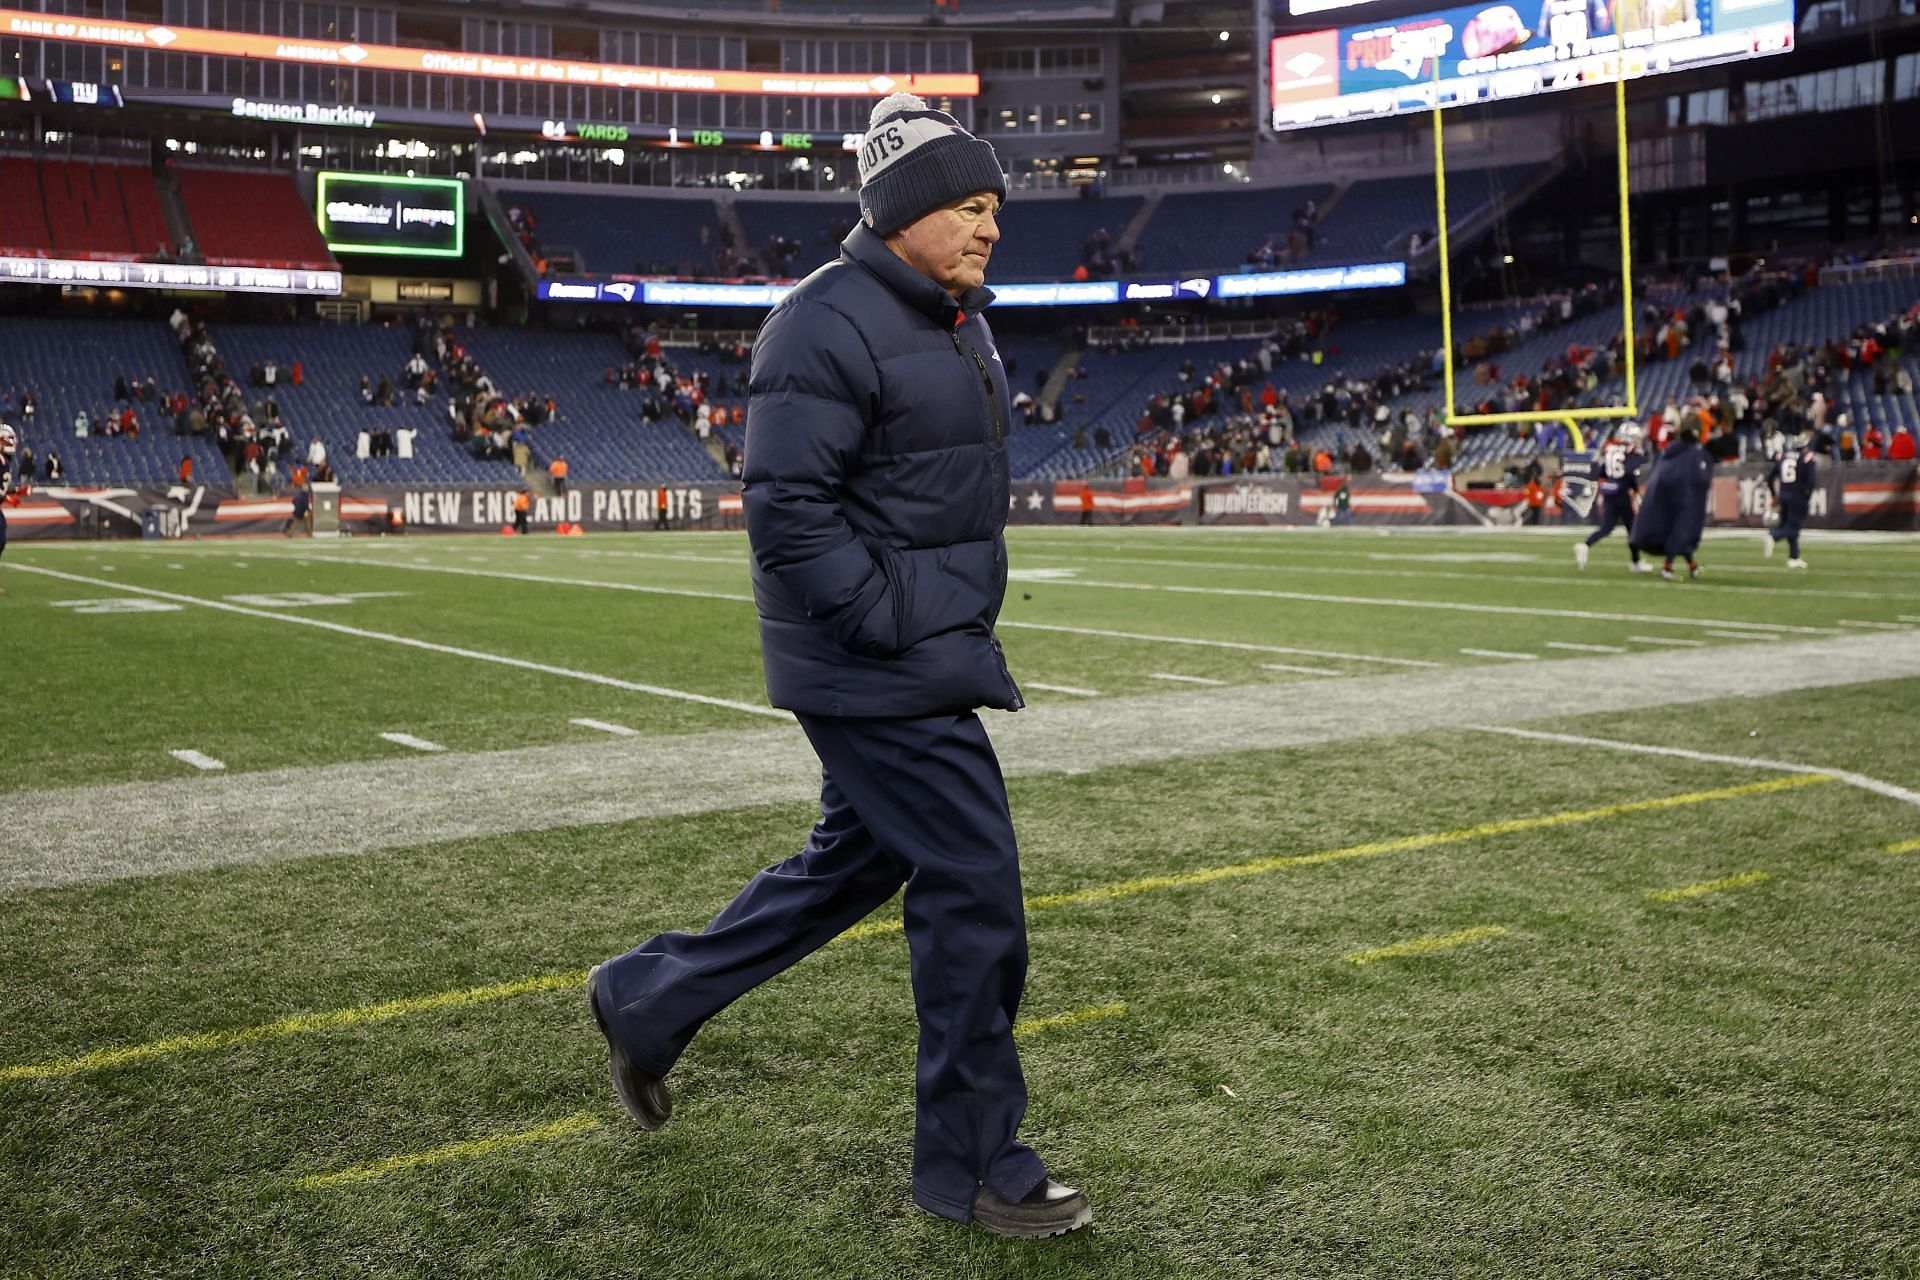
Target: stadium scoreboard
(1386,66)
(403,217)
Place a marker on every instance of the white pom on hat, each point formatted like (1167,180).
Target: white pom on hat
(893,104)
(915,159)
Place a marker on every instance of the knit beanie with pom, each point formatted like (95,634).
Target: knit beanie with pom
(915,159)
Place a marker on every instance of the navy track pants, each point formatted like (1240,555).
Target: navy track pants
(1614,512)
(917,802)
(1793,516)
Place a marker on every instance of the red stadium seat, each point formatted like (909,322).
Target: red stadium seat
(252,219)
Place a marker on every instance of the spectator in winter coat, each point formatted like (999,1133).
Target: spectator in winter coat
(876,493)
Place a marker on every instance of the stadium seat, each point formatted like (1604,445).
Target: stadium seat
(241,218)
(623,235)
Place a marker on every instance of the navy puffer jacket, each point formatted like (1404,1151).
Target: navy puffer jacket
(876,493)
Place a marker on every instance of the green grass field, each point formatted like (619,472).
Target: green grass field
(1331,976)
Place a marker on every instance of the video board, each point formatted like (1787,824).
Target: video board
(406,217)
(1497,52)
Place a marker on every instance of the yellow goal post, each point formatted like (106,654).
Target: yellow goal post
(1569,416)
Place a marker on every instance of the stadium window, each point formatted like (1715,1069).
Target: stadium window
(1906,76)
(1708,106)
(1870,83)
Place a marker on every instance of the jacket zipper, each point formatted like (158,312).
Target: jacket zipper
(986,380)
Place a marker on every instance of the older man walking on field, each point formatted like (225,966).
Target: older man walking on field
(876,495)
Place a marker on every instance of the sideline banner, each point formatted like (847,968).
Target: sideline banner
(1865,496)
(180,512)
(1103,502)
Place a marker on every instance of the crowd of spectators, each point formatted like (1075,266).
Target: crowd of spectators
(253,436)
(20,412)
(1232,420)
(781,255)
(1295,243)
(1101,259)
(492,425)
(1732,415)
(701,400)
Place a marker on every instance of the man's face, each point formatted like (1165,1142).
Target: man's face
(951,245)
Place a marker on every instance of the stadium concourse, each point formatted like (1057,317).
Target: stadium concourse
(1410,887)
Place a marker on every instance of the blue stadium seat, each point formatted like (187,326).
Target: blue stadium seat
(70,366)
(623,235)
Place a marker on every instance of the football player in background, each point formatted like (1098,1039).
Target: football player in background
(1790,480)
(1618,467)
(9,445)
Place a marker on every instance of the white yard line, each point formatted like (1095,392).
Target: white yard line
(1180,679)
(1877,626)
(1685,644)
(1305,671)
(542,579)
(1585,648)
(1060,688)
(1243,646)
(617,730)
(1169,542)
(1847,776)
(1742,635)
(408,740)
(1452,606)
(474,655)
(600,553)
(1501,653)
(1026,551)
(197,760)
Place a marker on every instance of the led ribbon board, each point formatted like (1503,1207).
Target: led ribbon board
(485,66)
(1489,52)
(405,217)
(1072,293)
(166,275)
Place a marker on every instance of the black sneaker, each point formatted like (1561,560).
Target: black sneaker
(1048,1210)
(645,1097)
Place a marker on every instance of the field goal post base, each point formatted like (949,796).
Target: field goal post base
(1570,417)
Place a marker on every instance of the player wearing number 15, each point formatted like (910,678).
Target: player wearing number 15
(1791,481)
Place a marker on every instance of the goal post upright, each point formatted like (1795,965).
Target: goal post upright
(1631,408)
(1626,236)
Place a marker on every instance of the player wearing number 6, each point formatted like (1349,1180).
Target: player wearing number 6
(1790,479)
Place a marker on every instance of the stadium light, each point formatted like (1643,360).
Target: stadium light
(1223,35)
